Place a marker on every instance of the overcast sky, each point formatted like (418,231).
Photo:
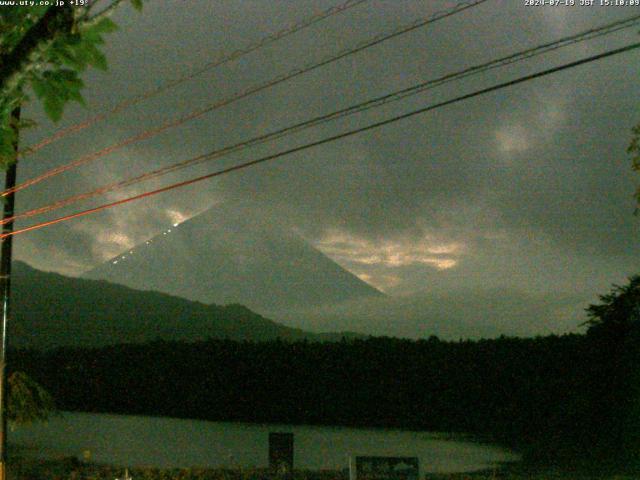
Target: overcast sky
(527,189)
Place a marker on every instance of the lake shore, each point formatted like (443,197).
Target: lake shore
(73,469)
(164,442)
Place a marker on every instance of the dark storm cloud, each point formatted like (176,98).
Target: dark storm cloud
(531,183)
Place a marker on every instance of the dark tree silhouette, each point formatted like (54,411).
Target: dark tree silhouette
(614,336)
(618,314)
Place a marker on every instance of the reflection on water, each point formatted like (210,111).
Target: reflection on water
(167,442)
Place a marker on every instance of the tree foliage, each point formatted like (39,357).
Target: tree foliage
(619,310)
(28,401)
(614,335)
(51,53)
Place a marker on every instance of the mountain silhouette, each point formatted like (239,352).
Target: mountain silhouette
(52,310)
(229,254)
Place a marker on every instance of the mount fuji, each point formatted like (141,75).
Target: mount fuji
(229,254)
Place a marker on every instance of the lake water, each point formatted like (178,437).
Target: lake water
(166,442)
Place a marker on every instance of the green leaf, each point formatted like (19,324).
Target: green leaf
(137,4)
(66,56)
(39,87)
(55,88)
(77,96)
(72,39)
(104,25)
(81,56)
(91,36)
(53,107)
(49,93)
(97,58)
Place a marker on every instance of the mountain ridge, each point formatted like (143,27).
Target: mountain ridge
(52,310)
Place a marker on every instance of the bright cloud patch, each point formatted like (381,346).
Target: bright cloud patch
(176,216)
(512,139)
(518,134)
(112,243)
(390,253)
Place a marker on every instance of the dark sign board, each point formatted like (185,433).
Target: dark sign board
(281,452)
(384,468)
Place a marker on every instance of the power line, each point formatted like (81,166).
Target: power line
(602,30)
(223,59)
(462,6)
(333,138)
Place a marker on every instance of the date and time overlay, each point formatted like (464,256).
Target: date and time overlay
(581,3)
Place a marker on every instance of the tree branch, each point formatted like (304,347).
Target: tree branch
(12,64)
(105,12)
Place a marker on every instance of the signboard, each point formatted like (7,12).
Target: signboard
(384,468)
(281,452)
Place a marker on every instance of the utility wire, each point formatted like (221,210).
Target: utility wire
(333,138)
(358,108)
(270,83)
(223,59)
